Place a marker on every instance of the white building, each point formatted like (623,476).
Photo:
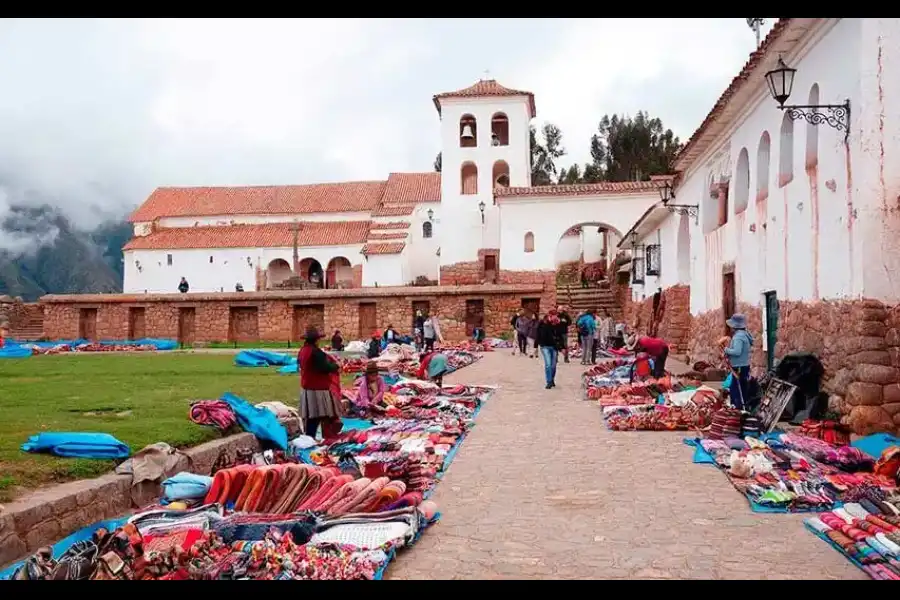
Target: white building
(449,227)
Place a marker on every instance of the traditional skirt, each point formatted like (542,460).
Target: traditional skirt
(318,404)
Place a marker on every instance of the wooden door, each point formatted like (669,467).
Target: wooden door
(490,268)
(309,315)
(243,324)
(186,317)
(474,315)
(728,297)
(137,323)
(771,325)
(87,324)
(368,319)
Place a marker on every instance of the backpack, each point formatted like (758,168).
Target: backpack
(583,328)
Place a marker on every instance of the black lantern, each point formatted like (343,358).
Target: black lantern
(481,207)
(430,214)
(666,193)
(781,82)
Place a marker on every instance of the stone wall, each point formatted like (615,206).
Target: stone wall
(674,320)
(468,273)
(284,315)
(47,515)
(857,341)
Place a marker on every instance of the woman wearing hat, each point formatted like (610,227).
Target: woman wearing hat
(318,405)
(737,353)
(371,389)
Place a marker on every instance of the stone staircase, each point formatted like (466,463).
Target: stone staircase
(580,299)
(30,326)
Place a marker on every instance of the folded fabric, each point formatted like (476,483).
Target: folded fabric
(260,422)
(78,445)
(186,486)
(212,412)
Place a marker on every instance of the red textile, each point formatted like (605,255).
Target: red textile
(423,367)
(309,378)
(653,346)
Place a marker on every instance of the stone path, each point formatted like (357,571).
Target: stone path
(540,489)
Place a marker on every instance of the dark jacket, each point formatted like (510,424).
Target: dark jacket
(183,287)
(547,335)
(562,330)
(374,348)
(513,321)
(337,342)
(315,368)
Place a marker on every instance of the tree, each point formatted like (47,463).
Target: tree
(437,162)
(626,149)
(544,155)
(570,176)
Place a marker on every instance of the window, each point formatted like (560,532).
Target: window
(637,269)
(653,259)
(426,229)
(786,151)
(500,174)
(812,132)
(169,259)
(529,242)
(762,167)
(742,182)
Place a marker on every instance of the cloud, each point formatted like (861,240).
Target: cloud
(95,114)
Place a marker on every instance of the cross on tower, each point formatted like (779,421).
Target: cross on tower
(487,75)
(295,228)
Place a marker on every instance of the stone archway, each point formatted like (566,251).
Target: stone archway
(277,273)
(312,273)
(339,273)
(586,248)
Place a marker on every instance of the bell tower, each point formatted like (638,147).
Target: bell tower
(484,144)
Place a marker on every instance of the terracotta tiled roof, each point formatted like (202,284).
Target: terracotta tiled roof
(394,211)
(376,237)
(484,89)
(578,189)
(756,59)
(286,199)
(272,235)
(390,225)
(389,248)
(412,188)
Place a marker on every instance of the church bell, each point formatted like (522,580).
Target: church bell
(467,132)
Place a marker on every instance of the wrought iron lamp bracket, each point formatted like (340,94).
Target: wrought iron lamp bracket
(691,210)
(834,115)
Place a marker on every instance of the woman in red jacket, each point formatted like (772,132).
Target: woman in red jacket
(317,402)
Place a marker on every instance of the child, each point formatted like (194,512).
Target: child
(374,345)
(434,365)
(370,393)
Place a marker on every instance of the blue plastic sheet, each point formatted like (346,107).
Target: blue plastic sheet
(10,351)
(259,421)
(875,444)
(262,358)
(78,445)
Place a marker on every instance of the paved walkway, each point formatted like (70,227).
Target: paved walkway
(540,489)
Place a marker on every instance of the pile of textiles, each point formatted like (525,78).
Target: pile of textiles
(696,413)
(866,532)
(61,347)
(780,474)
(216,413)
(630,394)
(497,343)
(203,544)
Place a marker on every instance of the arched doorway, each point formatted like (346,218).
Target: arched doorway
(311,272)
(339,273)
(587,249)
(277,273)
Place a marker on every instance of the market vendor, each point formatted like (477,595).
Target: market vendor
(374,345)
(371,389)
(655,347)
(434,365)
(337,341)
(737,353)
(318,404)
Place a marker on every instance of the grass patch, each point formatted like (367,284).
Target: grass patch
(138,398)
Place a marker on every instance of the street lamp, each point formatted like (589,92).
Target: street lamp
(430,214)
(481,208)
(667,194)
(781,84)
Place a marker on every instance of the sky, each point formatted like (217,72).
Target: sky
(95,114)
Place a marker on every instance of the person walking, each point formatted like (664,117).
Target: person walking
(565,321)
(606,329)
(532,336)
(586,327)
(317,402)
(515,333)
(429,333)
(183,286)
(523,326)
(655,347)
(737,353)
(548,341)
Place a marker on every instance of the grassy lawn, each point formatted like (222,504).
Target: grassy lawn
(138,398)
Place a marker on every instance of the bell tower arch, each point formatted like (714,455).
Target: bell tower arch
(484,144)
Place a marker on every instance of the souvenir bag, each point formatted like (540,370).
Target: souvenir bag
(726,422)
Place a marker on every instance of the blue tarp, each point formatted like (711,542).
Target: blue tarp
(78,445)
(259,421)
(10,351)
(262,358)
(875,444)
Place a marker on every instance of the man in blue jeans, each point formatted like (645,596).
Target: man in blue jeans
(548,342)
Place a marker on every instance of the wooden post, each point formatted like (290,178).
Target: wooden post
(295,227)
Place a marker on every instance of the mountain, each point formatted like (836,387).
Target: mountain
(46,254)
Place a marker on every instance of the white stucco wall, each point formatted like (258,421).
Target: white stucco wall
(797,239)
(592,244)
(228,267)
(464,231)
(568,249)
(666,235)
(549,218)
(423,258)
(386,270)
